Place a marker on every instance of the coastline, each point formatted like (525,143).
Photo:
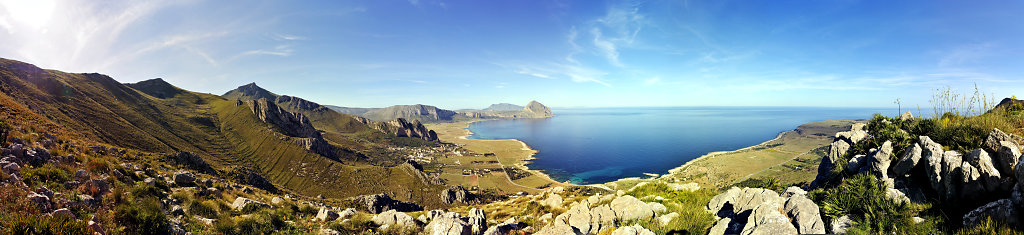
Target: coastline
(719,153)
(521,155)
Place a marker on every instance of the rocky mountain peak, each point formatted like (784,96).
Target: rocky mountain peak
(251,90)
(156,87)
(538,108)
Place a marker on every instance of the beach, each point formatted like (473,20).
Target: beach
(506,153)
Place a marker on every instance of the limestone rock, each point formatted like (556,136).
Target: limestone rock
(555,229)
(326,214)
(632,230)
(667,218)
(277,200)
(908,161)
(603,215)
(1003,210)
(454,194)
(718,202)
(994,139)
(805,214)
(394,218)
(970,184)
(766,219)
(241,202)
(792,191)
(42,201)
(990,176)
(553,201)
(932,154)
(720,227)
(628,208)
(448,224)
(879,161)
(657,207)
(856,163)
(378,203)
(952,174)
(347,213)
(907,116)
(477,221)
(836,150)
(184,178)
(689,187)
(1007,156)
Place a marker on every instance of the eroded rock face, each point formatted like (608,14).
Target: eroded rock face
(454,194)
(805,214)
(932,153)
(987,171)
(451,223)
(628,208)
(378,203)
(401,128)
(1007,156)
(292,124)
(952,175)
(879,161)
(835,151)
(760,211)
(241,202)
(908,161)
(766,219)
(394,218)
(992,142)
(1001,210)
(553,201)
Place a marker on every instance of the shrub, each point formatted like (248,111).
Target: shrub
(142,190)
(205,209)
(989,226)
(141,217)
(773,184)
(863,197)
(45,173)
(32,224)
(5,130)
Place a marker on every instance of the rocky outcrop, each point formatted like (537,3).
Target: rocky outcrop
(378,203)
(401,128)
(248,176)
(537,109)
(292,124)
(455,194)
(395,218)
(628,208)
(842,143)
(184,178)
(762,211)
(191,161)
(241,203)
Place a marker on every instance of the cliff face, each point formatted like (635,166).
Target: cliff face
(423,113)
(503,110)
(538,110)
(504,107)
(293,125)
(402,128)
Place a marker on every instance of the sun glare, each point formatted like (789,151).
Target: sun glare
(34,13)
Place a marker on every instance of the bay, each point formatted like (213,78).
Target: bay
(596,145)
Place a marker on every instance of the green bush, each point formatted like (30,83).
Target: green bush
(863,198)
(5,130)
(45,173)
(143,190)
(205,209)
(773,184)
(32,224)
(989,226)
(141,217)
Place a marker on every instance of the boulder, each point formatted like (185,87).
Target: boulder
(42,201)
(277,200)
(663,220)
(855,163)
(1007,156)
(632,230)
(328,215)
(81,175)
(852,136)
(603,215)
(176,210)
(184,178)
(11,168)
(718,203)
(971,185)
(1003,210)
(657,207)
(842,224)
(378,203)
(879,161)
(836,150)
(454,194)
(241,202)
(994,140)
(720,227)
(451,224)
(553,229)
(394,218)
(628,208)
(932,153)
(805,215)
(95,187)
(990,176)
(580,218)
(792,191)
(908,161)
(553,201)
(477,221)
(907,116)
(63,212)
(951,173)
(347,213)
(766,219)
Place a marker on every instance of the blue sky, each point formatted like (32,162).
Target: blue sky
(468,54)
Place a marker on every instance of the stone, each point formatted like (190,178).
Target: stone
(766,219)
(554,229)
(990,176)
(855,163)
(911,156)
(667,218)
(879,161)
(378,203)
(277,200)
(842,224)
(81,175)
(1007,156)
(326,214)
(553,201)
(184,178)
(1017,194)
(793,191)
(658,208)
(603,215)
(63,212)
(11,168)
(992,142)
(42,201)
(836,151)
(394,218)
(805,214)
(632,230)
(44,191)
(907,116)
(477,221)
(176,210)
(327,231)
(628,208)
(1003,210)
(95,187)
(931,152)
(241,202)
(450,223)
(454,194)
(952,174)
(971,185)
(347,213)
(720,227)
(506,228)
(718,202)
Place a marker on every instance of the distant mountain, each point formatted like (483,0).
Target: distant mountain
(249,92)
(504,107)
(348,110)
(156,87)
(322,117)
(538,109)
(417,112)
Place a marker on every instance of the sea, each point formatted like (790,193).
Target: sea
(597,145)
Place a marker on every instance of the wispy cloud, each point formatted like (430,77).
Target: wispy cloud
(967,54)
(616,29)
(286,37)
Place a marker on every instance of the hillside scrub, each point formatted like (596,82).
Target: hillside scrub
(864,198)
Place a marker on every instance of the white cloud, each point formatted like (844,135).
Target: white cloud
(608,48)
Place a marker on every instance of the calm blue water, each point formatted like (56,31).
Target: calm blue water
(597,145)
